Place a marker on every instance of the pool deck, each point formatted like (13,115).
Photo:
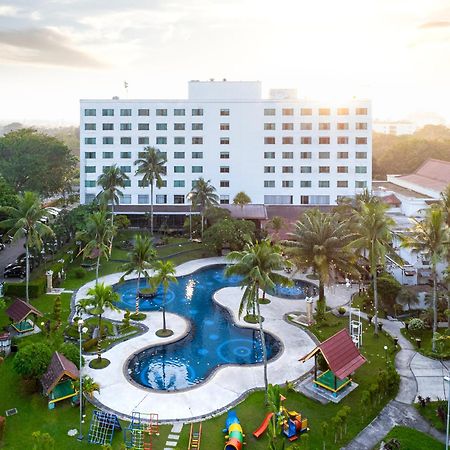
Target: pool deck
(228,385)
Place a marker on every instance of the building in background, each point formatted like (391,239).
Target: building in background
(394,128)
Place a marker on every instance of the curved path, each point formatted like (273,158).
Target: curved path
(226,387)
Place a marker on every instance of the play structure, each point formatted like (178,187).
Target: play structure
(142,427)
(292,424)
(355,326)
(102,427)
(195,437)
(235,435)
(23,316)
(263,427)
(342,357)
(57,382)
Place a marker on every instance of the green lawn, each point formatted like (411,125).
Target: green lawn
(429,413)
(426,342)
(411,439)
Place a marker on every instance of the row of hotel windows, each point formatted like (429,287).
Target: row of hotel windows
(287,140)
(321,126)
(321,155)
(127,112)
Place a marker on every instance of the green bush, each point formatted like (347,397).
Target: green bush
(32,360)
(416,325)
(35,288)
(341,310)
(80,272)
(90,344)
(72,353)
(138,316)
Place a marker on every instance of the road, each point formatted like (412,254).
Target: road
(9,254)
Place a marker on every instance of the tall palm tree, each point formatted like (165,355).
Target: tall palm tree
(151,167)
(445,202)
(164,275)
(276,223)
(430,237)
(140,258)
(110,180)
(203,195)
(256,264)
(89,387)
(26,221)
(372,233)
(100,297)
(241,199)
(96,238)
(319,242)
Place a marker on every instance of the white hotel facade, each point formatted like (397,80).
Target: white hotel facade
(279,151)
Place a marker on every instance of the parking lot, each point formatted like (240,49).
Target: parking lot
(9,254)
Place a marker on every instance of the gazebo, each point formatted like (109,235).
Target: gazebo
(57,382)
(342,357)
(19,313)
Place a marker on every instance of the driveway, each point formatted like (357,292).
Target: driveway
(9,254)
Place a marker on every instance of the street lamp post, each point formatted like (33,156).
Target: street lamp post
(189,196)
(81,330)
(386,353)
(447,379)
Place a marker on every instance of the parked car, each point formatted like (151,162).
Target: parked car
(14,272)
(2,246)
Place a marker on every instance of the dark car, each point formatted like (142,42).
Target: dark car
(14,272)
(2,246)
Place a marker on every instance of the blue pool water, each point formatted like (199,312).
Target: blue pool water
(300,290)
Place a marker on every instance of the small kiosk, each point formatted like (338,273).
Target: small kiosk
(5,344)
(23,316)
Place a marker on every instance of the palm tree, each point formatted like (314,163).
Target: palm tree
(89,387)
(140,258)
(164,275)
(204,195)
(445,202)
(26,221)
(256,264)
(372,233)
(430,237)
(110,180)
(319,242)
(276,223)
(241,199)
(151,166)
(101,297)
(97,238)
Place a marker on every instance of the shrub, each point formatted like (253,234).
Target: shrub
(138,316)
(57,311)
(80,273)
(90,344)
(342,310)
(32,360)
(126,320)
(35,288)
(416,325)
(72,353)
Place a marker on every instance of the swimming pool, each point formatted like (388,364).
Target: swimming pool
(299,290)
(213,341)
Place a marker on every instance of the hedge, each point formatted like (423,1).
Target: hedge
(35,288)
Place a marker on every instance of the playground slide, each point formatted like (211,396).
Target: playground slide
(263,426)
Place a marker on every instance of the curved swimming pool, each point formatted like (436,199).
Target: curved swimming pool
(213,341)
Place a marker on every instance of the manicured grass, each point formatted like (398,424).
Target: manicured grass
(99,364)
(426,343)
(411,439)
(429,412)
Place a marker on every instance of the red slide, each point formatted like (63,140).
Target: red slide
(263,426)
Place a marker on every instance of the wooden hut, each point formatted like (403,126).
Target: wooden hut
(23,316)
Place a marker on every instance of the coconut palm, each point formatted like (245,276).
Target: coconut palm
(256,265)
(276,223)
(140,258)
(164,275)
(97,238)
(430,237)
(203,195)
(241,199)
(151,167)
(319,242)
(89,387)
(26,221)
(372,233)
(100,298)
(445,203)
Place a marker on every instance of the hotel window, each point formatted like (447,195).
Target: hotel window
(361,125)
(287,169)
(306,140)
(161,112)
(179,183)
(304,199)
(306,112)
(197,140)
(342,155)
(143,199)
(342,140)
(197,112)
(269,155)
(360,169)
(125,199)
(305,155)
(90,169)
(143,126)
(143,140)
(305,169)
(361,155)
(269,183)
(179,126)
(197,126)
(342,169)
(342,126)
(224,155)
(324,169)
(197,155)
(361,140)
(178,140)
(178,169)
(125,140)
(161,199)
(361,111)
(161,140)
(106,168)
(224,169)
(125,126)
(178,199)
(125,169)
(108,127)
(269,169)
(224,140)
(179,112)
(197,169)
(224,126)
(324,155)
(108,155)
(126,183)
(89,155)
(269,140)
(288,140)
(107,112)
(324,111)
(178,155)
(269,126)
(343,112)
(305,184)
(288,111)
(90,112)
(306,126)
(90,126)
(161,126)
(89,183)
(90,141)
(287,155)
(224,183)
(287,184)
(142,183)
(125,155)
(324,184)
(125,112)
(287,126)
(324,140)
(269,111)
(143,112)
(324,126)
(342,184)
(360,184)
(224,112)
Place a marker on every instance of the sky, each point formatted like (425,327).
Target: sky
(54,52)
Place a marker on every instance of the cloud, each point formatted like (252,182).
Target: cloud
(436,24)
(8,11)
(45,46)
